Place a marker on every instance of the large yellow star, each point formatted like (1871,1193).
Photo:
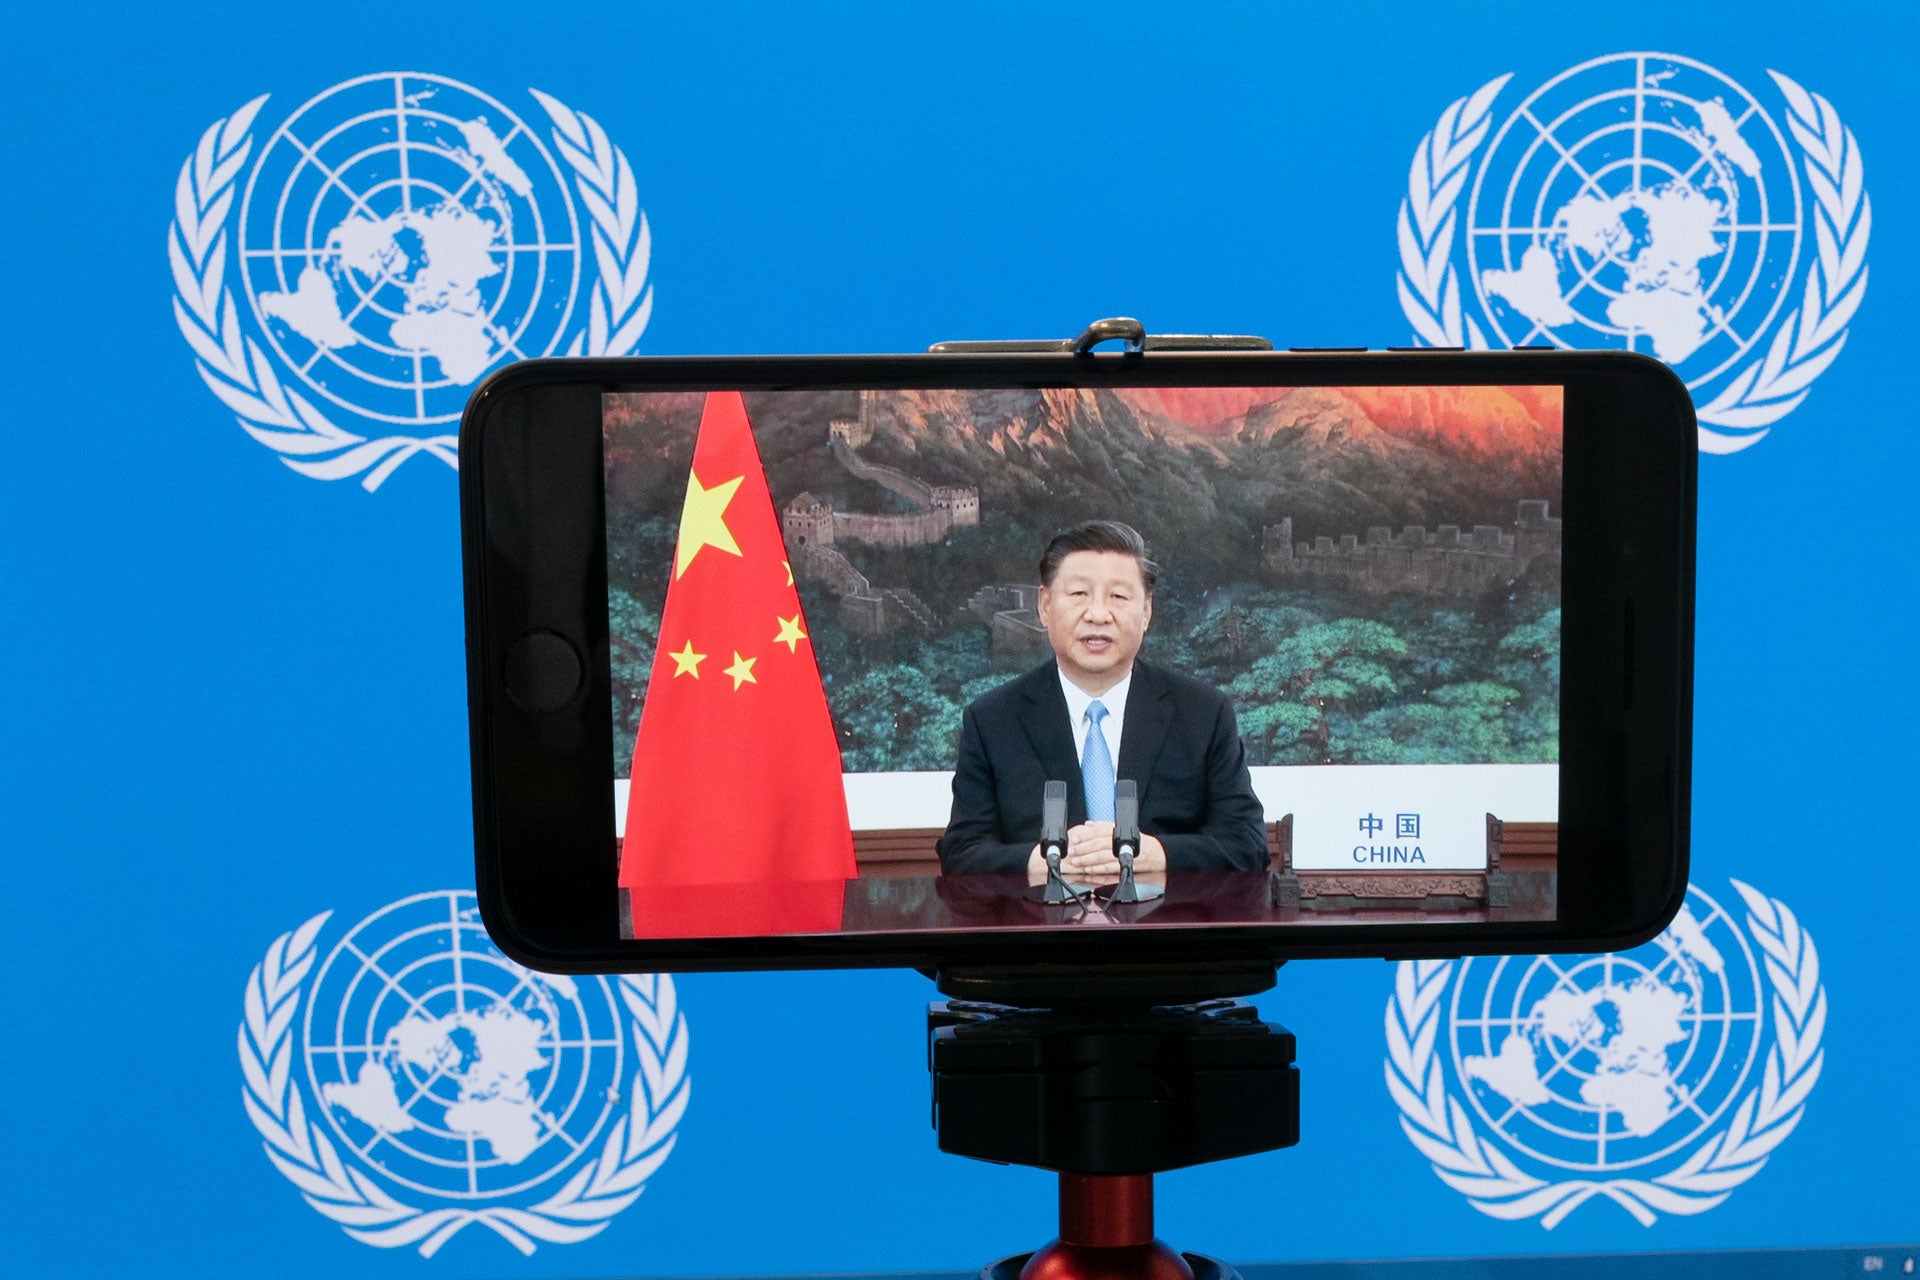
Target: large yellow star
(687,662)
(701,524)
(790,633)
(741,670)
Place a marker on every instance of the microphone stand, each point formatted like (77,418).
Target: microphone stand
(1053,846)
(1126,843)
(1128,890)
(1059,892)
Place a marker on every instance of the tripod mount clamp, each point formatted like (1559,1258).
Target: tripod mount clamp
(1106,1093)
(1130,333)
(1106,1079)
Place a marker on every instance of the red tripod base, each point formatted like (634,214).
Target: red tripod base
(1106,1233)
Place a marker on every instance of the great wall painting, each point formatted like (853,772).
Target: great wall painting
(1373,573)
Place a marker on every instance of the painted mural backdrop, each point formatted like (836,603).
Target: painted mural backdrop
(1298,568)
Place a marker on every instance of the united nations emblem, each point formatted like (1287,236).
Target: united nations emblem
(345,281)
(414,1081)
(1660,1079)
(1645,201)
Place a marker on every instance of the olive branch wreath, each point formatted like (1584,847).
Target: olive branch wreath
(1812,335)
(242,375)
(1428,282)
(1438,1124)
(1766,389)
(637,1144)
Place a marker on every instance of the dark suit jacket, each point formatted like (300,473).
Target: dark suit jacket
(1179,742)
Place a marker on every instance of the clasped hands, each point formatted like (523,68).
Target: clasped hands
(1090,856)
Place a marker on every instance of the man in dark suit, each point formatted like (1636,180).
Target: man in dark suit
(1092,716)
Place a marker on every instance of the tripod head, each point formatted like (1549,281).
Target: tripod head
(1107,1071)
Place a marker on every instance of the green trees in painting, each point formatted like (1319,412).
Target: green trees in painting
(1313,682)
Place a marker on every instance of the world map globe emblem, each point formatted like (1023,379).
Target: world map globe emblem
(412,1081)
(1645,202)
(1657,1079)
(1611,1062)
(399,236)
(448,1068)
(1639,201)
(346,277)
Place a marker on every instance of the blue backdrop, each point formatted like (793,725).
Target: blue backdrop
(236,692)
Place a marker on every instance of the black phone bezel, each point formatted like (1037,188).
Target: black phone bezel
(534,548)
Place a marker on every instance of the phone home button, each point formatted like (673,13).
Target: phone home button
(543,671)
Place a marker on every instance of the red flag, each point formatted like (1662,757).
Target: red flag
(736,770)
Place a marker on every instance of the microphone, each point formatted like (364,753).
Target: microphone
(1053,840)
(1126,842)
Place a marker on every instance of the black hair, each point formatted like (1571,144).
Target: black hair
(1097,535)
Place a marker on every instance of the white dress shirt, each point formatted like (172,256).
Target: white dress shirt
(1114,700)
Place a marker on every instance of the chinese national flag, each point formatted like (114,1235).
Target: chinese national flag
(736,770)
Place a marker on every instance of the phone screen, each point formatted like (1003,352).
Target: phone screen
(841,683)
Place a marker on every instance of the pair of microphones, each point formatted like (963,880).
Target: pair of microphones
(1126,841)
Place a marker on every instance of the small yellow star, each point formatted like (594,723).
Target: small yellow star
(741,670)
(701,522)
(788,566)
(790,633)
(687,662)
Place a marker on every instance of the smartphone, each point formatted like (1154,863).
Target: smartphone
(793,661)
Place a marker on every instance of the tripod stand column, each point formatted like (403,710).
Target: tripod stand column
(1106,1233)
(1106,1212)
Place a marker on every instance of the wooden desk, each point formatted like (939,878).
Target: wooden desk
(916,903)
(924,903)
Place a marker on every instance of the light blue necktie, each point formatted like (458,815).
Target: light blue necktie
(1096,768)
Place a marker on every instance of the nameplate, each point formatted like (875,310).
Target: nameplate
(1390,819)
